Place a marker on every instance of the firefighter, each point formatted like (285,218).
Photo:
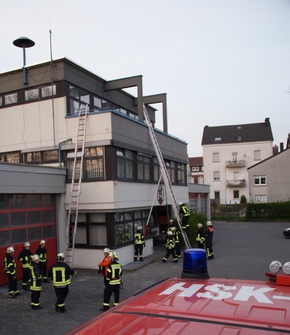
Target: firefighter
(170,248)
(103,265)
(61,273)
(35,282)
(208,240)
(25,258)
(139,244)
(10,270)
(200,237)
(185,214)
(113,282)
(176,235)
(41,252)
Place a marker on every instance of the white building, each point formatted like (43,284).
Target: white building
(228,151)
(38,120)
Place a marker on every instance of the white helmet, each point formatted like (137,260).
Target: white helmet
(26,244)
(106,250)
(180,203)
(10,250)
(42,242)
(170,233)
(139,228)
(209,223)
(60,256)
(199,225)
(35,258)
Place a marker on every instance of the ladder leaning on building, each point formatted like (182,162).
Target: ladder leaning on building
(165,175)
(77,171)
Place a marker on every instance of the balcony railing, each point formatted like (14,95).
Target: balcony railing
(236,163)
(236,183)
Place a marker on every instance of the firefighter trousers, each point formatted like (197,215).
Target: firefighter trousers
(61,293)
(109,290)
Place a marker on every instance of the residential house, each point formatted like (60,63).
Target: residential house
(228,151)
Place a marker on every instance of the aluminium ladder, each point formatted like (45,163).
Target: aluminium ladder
(77,172)
(165,175)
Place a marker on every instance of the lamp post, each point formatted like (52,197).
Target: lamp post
(24,42)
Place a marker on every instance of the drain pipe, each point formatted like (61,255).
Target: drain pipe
(59,149)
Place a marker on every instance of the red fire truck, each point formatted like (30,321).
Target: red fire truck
(197,304)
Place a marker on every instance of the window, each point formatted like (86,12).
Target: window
(181,174)
(216,157)
(10,157)
(33,157)
(78,99)
(156,169)
(94,163)
(124,164)
(1,101)
(11,98)
(143,167)
(257,155)
(216,195)
(216,176)
(48,91)
(261,198)
(260,180)
(31,94)
(194,169)
(235,156)
(236,194)
(49,156)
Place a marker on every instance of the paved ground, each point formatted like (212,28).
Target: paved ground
(242,250)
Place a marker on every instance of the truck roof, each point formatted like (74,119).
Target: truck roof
(202,306)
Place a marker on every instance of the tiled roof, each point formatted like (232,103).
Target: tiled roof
(195,161)
(253,132)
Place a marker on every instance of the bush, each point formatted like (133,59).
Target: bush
(271,210)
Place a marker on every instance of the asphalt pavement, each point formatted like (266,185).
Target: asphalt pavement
(243,250)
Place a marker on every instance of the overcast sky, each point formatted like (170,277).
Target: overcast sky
(221,62)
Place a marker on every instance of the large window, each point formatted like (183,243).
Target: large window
(215,157)
(125,164)
(94,163)
(257,155)
(216,176)
(78,99)
(10,157)
(181,174)
(26,217)
(91,231)
(144,163)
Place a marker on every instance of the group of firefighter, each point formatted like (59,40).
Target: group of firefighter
(204,237)
(35,272)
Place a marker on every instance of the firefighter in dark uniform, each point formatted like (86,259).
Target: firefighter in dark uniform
(200,237)
(41,252)
(185,214)
(208,240)
(61,273)
(176,235)
(139,244)
(113,283)
(25,258)
(170,248)
(10,270)
(35,282)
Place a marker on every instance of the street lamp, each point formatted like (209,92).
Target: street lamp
(24,42)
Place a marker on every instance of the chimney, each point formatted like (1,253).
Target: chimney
(267,122)
(281,146)
(288,141)
(275,150)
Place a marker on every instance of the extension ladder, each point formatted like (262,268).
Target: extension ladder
(77,172)
(165,175)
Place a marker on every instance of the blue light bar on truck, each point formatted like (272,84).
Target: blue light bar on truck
(194,264)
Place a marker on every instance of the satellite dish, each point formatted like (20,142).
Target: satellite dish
(24,42)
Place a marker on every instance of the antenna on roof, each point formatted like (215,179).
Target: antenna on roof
(24,42)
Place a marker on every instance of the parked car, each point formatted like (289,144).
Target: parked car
(286,232)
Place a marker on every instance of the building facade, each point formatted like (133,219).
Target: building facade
(269,179)
(39,121)
(196,170)
(228,151)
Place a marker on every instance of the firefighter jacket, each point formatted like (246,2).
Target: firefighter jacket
(170,243)
(200,235)
(177,236)
(114,273)
(25,258)
(184,210)
(35,277)
(61,273)
(209,235)
(9,265)
(103,265)
(139,238)
(41,252)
